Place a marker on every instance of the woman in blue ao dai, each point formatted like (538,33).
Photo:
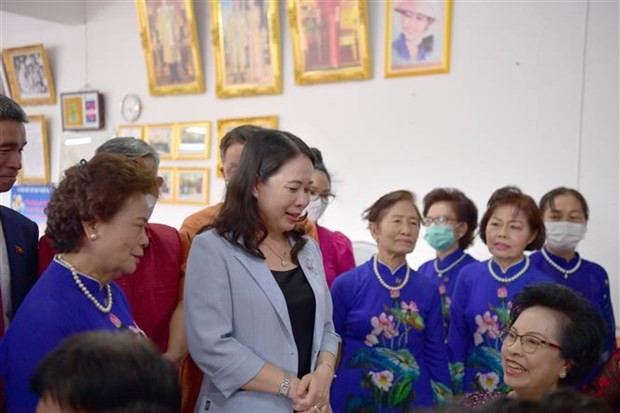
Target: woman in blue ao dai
(451,220)
(484,291)
(389,318)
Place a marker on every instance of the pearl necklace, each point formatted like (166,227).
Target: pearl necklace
(558,266)
(509,279)
(386,285)
(83,288)
(440,273)
(283,260)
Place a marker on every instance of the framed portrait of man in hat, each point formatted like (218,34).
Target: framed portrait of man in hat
(417,37)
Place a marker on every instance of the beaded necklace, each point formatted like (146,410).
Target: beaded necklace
(386,285)
(558,266)
(83,288)
(441,272)
(509,279)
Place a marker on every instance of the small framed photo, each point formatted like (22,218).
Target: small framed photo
(226,125)
(161,138)
(82,111)
(29,75)
(171,47)
(4,84)
(417,37)
(330,40)
(246,41)
(130,131)
(35,158)
(192,185)
(166,192)
(193,140)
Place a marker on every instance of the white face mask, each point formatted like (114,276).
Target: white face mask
(315,209)
(563,235)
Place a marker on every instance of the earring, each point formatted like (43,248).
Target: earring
(92,236)
(562,374)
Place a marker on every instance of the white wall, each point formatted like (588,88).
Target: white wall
(531,99)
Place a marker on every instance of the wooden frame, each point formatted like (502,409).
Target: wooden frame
(171,46)
(246,44)
(82,110)
(192,185)
(29,75)
(161,138)
(167,190)
(35,158)
(130,131)
(432,53)
(225,125)
(193,140)
(330,40)
(4,84)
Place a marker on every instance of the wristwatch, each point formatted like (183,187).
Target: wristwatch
(285,385)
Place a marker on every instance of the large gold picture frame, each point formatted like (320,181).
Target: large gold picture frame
(226,125)
(171,46)
(29,75)
(246,42)
(417,37)
(330,40)
(36,157)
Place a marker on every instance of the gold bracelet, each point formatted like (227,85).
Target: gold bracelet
(330,365)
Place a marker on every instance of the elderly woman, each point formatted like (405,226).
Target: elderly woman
(566,213)
(451,220)
(552,340)
(96,219)
(390,321)
(484,291)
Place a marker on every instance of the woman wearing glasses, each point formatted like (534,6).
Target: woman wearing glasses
(484,291)
(552,340)
(450,219)
(336,248)
(389,318)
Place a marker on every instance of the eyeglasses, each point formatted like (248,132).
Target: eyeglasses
(441,220)
(325,198)
(529,343)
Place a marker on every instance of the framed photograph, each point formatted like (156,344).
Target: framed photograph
(417,37)
(192,185)
(166,192)
(193,140)
(171,47)
(75,146)
(29,75)
(130,131)
(35,158)
(246,40)
(330,40)
(161,138)
(82,111)
(225,125)
(4,84)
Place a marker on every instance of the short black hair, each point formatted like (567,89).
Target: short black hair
(11,111)
(108,372)
(548,200)
(581,330)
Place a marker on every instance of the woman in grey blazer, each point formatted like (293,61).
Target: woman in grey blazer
(257,308)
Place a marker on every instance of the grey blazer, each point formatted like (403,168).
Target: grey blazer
(237,320)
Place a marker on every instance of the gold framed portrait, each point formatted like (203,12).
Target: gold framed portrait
(417,37)
(130,131)
(35,158)
(29,74)
(193,140)
(226,125)
(192,185)
(171,46)
(166,191)
(330,40)
(161,138)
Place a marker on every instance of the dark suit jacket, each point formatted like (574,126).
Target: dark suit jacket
(22,236)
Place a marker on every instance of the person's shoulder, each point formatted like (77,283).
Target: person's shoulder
(204,216)
(16,218)
(351,277)
(595,268)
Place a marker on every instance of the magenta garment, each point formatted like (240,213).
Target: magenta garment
(337,252)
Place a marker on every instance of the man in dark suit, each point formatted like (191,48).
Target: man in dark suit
(18,234)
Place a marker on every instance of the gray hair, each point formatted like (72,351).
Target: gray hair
(131,147)
(10,110)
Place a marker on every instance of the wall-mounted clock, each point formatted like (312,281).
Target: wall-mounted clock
(131,107)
